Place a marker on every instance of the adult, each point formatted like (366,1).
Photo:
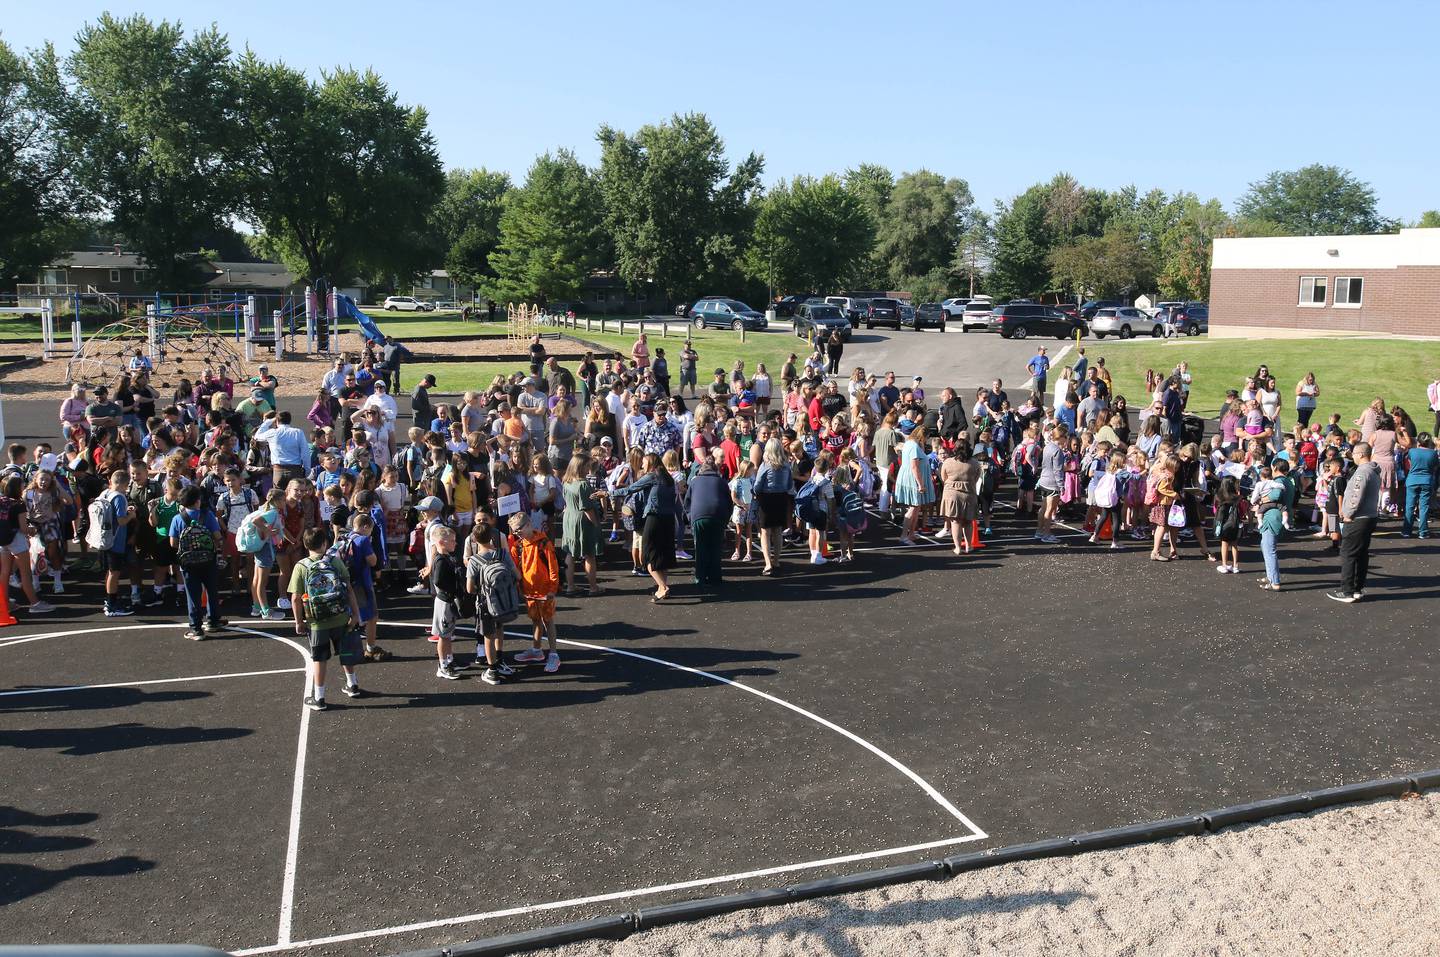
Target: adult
(421,409)
(834,349)
(1367,421)
(1173,409)
(580,522)
(888,394)
(289,447)
(640,352)
(1039,368)
(658,510)
(382,399)
(774,493)
(532,408)
(1306,394)
(689,359)
(659,435)
(1420,477)
(72,411)
(103,416)
(708,504)
(392,357)
(914,487)
(562,434)
(960,481)
(1432,395)
(557,375)
(1359,511)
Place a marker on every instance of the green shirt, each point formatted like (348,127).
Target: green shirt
(165,513)
(884,447)
(297,587)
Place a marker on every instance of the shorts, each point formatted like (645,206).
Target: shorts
(49,532)
(464,518)
(365,599)
(265,557)
(114,561)
(230,548)
(162,553)
(1046,492)
(540,610)
(485,624)
(687,378)
(442,619)
(339,640)
(19,545)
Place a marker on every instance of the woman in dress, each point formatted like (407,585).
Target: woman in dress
(580,523)
(914,487)
(960,478)
(1382,453)
(774,489)
(656,493)
(763,387)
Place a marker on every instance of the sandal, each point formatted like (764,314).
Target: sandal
(659,599)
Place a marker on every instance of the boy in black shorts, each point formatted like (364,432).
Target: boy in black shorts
(320,593)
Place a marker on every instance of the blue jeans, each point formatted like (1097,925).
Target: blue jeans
(1272,559)
(206,578)
(1417,509)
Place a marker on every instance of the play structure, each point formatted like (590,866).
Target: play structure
(179,346)
(522,321)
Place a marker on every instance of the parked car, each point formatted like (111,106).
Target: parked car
(931,314)
(407,304)
(1022,320)
(955,308)
(883,312)
(823,318)
(1191,319)
(718,313)
(854,309)
(1089,309)
(786,305)
(976,316)
(1070,309)
(1127,322)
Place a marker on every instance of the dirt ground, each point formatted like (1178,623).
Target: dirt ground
(299,375)
(1361,879)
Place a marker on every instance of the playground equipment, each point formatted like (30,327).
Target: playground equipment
(51,345)
(523,321)
(179,345)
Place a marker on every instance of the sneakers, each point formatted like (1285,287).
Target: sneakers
(552,663)
(433,639)
(354,691)
(283,604)
(192,635)
(58,588)
(315,704)
(214,627)
(1049,539)
(817,559)
(272,614)
(530,655)
(1341,596)
(419,588)
(117,611)
(614,537)
(682,555)
(504,671)
(377,654)
(257,612)
(636,573)
(1222,569)
(41,608)
(490,676)
(447,672)
(155,600)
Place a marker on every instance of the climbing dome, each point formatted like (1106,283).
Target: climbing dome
(179,346)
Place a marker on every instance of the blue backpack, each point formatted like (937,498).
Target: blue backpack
(852,510)
(809,507)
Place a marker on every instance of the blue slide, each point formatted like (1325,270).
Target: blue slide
(347,309)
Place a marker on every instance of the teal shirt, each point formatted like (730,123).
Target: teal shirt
(1271,520)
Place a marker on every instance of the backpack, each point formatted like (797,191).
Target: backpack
(852,511)
(808,506)
(101,535)
(1107,491)
(324,594)
(248,539)
(227,503)
(343,550)
(8,525)
(195,545)
(500,590)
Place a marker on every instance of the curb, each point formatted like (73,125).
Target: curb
(620,926)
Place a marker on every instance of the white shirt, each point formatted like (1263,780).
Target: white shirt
(615,402)
(335,378)
(632,425)
(384,402)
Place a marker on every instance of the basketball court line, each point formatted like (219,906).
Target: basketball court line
(156,681)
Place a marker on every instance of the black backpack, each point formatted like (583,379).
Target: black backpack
(196,545)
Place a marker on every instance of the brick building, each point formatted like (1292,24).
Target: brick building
(1293,286)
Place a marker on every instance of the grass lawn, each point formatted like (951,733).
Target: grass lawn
(718,348)
(1350,372)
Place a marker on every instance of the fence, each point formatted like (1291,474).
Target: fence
(638,325)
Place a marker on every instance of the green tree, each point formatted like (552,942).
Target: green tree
(154,129)
(1185,247)
(1430,219)
(552,233)
(1020,266)
(873,184)
(922,224)
(338,174)
(1103,266)
(1314,200)
(467,219)
(1071,210)
(40,200)
(975,252)
(933,286)
(676,213)
(810,235)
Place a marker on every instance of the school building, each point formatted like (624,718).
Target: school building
(1296,286)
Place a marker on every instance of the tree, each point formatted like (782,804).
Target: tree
(1430,219)
(1314,200)
(40,199)
(552,233)
(975,251)
(921,224)
(931,287)
(1185,247)
(467,219)
(338,174)
(1023,241)
(1102,266)
(153,129)
(1071,210)
(810,235)
(873,184)
(677,214)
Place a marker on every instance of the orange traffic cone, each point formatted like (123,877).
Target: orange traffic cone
(1106,533)
(975,536)
(6,618)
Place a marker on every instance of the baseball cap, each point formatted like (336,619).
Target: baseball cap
(431,504)
(264,368)
(606,440)
(719,371)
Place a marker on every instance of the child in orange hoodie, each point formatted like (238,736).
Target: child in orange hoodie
(534,555)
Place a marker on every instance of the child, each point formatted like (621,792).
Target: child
(1229,519)
(353,546)
(446,580)
(422,545)
(113,555)
(742,493)
(491,578)
(332,500)
(849,510)
(989,479)
(1025,462)
(534,556)
(162,514)
(1104,495)
(1328,492)
(321,595)
(825,496)
(232,507)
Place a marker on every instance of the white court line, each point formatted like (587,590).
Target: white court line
(602,898)
(87,631)
(156,681)
(886,518)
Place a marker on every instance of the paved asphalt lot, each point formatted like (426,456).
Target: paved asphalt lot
(912,698)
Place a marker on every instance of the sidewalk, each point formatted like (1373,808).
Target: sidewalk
(1363,879)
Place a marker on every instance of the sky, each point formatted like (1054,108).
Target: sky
(1205,97)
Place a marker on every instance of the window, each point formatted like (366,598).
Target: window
(1312,290)
(115,275)
(1349,292)
(139,276)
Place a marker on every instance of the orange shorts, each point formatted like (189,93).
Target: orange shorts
(540,610)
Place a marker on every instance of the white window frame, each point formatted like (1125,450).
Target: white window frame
(1335,299)
(139,276)
(1312,280)
(115,276)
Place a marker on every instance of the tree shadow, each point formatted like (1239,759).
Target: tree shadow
(92,699)
(19,881)
(105,739)
(829,929)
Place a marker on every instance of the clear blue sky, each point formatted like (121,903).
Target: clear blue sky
(1205,97)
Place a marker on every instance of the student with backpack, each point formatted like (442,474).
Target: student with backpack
(447,581)
(111,515)
(354,547)
(232,507)
(534,556)
(194,540)
(815,506)
(321,597)
(491,578)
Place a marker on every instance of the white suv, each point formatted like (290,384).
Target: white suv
(407,304)
(1125,322)
(976,315)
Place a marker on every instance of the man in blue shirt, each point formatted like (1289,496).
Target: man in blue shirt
(289,448)
(1039,366)
(195,537)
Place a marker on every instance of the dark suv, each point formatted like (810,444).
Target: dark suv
(823,318)
(1089,309)
(1022,320)
(926,314)
(883,312)
(1191,319)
